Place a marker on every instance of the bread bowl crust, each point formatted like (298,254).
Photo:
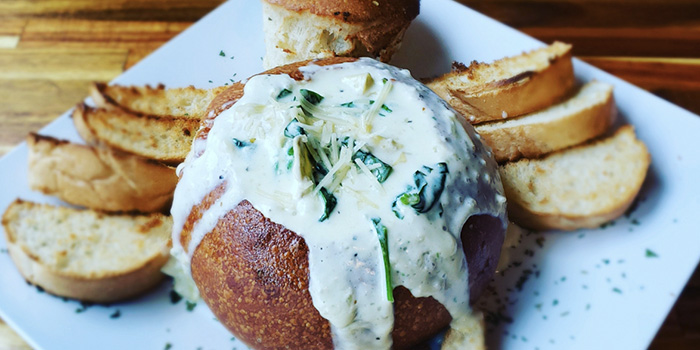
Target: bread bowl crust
(253,273)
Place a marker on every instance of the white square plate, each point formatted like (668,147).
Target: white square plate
(609,288)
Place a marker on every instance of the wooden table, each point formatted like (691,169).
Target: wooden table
(51,50)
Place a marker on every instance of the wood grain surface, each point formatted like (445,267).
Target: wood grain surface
(51,50)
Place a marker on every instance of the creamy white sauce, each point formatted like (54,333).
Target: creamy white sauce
(407,127)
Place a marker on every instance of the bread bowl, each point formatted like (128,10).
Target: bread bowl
(286,259)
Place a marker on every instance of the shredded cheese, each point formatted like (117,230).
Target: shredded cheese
(368,173)
(374,109)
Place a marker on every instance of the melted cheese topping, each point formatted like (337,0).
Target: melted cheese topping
(372,169)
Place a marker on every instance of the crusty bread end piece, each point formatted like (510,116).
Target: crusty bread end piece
(509,87)
(175,102)
(301,30)
(84,254)
(584,116)
(97,177)
(584,186)
(163,138)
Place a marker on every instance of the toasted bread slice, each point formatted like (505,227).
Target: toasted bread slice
(584,186)
(584,116)
(97,177)
(165,139)
(175,102)
(84,254)
(509,87)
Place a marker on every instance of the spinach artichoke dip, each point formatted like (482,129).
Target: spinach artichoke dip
(374,171)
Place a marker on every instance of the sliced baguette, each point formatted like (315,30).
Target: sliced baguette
(584,186)
(162,138)
(509,87)
(84,254)
(175,102)
(584,116)
(97,177)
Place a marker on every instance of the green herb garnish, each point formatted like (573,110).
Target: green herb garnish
(116,314)
(382,233)
(386,108)
(284,93)
(222,54)
(382,172)
(190,305)
(329,203)
(175,297)
(651,254)
(348,104)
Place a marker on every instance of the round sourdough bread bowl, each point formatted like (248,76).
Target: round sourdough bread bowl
(254,273)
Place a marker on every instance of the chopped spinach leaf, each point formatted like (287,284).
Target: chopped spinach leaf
(319,172)
(382,172)
(284,93)
(329,203)
(427,189)
(429,183)
(382,233)
(293,129)
(290,160)
(311,96)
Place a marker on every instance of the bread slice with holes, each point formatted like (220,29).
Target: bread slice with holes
(584,116)
(166,139)
(173,102)
(97,177)
(509,87)
(584,186)
(85,254)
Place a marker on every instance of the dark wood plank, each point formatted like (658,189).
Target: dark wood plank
(590,13)
(79,33)
(607,28)
(39,84)
(123,10)
(676,80)
(627,41)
